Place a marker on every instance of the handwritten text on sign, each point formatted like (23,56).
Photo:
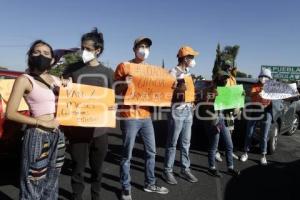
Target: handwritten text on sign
(152,86)
(276,90)
(86,106)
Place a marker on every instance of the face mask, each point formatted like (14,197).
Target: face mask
(263,80)
(142,53)
(192,63)
(41,63)
(87,56)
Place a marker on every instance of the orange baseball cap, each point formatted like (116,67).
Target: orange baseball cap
(186,51)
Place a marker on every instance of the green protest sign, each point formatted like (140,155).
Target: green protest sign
(229,98)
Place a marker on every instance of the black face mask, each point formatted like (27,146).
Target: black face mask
(41,63)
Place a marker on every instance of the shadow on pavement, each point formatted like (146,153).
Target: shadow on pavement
(276,181)
(9,173)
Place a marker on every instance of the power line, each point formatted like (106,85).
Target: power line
(13,45)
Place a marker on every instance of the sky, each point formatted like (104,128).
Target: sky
(267,30)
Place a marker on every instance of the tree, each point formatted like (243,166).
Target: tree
(225,57)
(66,60)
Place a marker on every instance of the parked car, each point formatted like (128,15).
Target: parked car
(285,116)
(10,132)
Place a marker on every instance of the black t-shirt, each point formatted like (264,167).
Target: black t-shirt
(100,76)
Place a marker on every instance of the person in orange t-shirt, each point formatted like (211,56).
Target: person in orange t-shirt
(255,94)
(136,120)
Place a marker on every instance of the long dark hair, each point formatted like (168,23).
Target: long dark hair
(31,50)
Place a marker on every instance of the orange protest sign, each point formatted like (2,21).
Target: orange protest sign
(6,86)
(190,92)
(86,106)
(151,86)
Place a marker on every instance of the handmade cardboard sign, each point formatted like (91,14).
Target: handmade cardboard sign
(86,106)
(6,86)
(274,90)
(152,86)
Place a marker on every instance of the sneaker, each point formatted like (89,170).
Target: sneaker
(126,195)
(263,160)
(215,173)
(157,189)
(235,156)
(244,157)
(187,175)
(218,157)
(233,172)
(169,178)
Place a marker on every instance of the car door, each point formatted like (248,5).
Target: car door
(288,114)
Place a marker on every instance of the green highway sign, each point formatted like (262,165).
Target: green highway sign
(287,73)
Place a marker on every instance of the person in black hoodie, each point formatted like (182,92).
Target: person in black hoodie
(88,143)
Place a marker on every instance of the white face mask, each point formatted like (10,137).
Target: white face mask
(263,80)
(142,53)
(192,63)
(87,56)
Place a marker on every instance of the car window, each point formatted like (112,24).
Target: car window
(200,87)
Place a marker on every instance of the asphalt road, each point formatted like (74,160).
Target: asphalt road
(279,180)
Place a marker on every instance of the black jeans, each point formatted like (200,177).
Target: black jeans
(95,151)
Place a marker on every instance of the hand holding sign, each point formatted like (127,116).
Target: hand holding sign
(128,79)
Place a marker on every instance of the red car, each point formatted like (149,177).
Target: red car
(10,132)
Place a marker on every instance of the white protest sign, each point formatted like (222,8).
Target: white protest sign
(274,90)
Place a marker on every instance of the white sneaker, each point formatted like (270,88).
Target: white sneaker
(263,160)
(157,189)
(126,195)
(218,157)
(244,157)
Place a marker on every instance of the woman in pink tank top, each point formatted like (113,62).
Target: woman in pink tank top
(43,142)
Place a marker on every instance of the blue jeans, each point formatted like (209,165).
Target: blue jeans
(130,129)
(214,133)
(180,125)
(43,157)
(265,127)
